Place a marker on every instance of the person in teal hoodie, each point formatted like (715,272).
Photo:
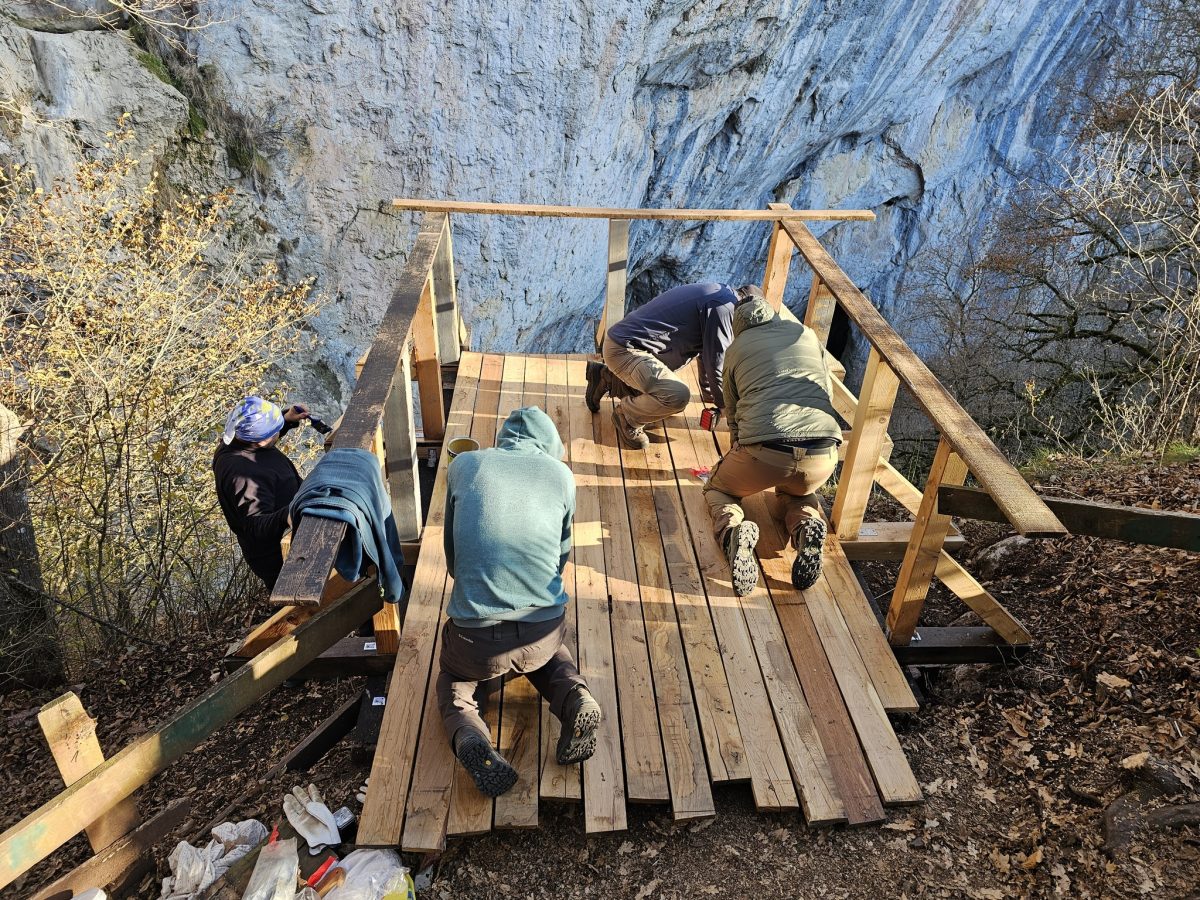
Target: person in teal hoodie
(507,537)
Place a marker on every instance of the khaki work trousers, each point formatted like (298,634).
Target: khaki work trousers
(473,655)
(663,393)
(749,468)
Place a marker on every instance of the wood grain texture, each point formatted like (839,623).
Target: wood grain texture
(866,443)
(779,261)
(428,365)
(616,278)
(445,296)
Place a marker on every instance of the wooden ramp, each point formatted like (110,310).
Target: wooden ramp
(787,691)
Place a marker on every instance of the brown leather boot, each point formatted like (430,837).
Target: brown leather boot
(632,436)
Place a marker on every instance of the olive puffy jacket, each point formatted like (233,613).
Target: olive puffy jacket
(776,381)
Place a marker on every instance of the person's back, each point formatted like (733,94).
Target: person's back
(776,376)
(508,525)
(672,325)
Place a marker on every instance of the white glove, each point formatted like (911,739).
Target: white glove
(361,795)
(311,818)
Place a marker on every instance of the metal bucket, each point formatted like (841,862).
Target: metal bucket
(461,445)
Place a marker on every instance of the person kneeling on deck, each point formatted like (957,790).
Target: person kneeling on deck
(507,538)
(643,351)
(256,481)
(784,435)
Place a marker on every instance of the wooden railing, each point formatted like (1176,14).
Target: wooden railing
(421,330)
(963,446)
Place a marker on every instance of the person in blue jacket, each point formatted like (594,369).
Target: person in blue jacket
(643,351)
(507,537)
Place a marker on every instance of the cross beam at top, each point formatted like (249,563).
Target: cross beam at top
(601,212)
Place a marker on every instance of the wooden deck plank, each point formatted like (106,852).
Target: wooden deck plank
(560,782)
(761,674)
(470,810)
(604,773)
(645,765)
(687,773)
(391,771)
(675,558)
(524,378)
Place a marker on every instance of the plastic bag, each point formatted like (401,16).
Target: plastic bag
(369,875)
(274,876)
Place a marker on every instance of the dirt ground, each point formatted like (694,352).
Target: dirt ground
(1017,764)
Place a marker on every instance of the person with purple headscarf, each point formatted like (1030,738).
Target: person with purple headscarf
(256,481)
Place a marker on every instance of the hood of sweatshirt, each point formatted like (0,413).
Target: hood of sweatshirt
(529,428)
(751,314)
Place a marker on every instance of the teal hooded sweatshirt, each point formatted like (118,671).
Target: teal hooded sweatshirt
(508,525)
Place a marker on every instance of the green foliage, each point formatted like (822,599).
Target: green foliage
(156,67)
(197,125)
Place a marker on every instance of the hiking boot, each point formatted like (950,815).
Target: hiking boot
(581,717)
(599,381)
(632,436)
(740,541)
(810,542)
(491,771)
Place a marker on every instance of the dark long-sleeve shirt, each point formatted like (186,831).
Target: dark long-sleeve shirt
(682,323)
(255,487)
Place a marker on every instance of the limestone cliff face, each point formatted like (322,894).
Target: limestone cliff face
(923,110)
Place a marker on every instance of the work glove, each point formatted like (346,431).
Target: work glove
(308,814)
(361,794)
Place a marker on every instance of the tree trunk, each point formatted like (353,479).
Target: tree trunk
(29,650)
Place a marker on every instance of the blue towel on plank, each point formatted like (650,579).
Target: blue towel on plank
(347,485)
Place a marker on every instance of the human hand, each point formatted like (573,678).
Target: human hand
(296,413)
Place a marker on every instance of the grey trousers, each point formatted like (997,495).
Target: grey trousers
(472,655)
(663,393)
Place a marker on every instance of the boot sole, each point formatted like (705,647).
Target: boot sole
(626,442)
(577,742)
(807,567)
(744,566)
(490,771)
(593,402)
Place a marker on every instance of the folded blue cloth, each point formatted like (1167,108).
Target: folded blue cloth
(347,485)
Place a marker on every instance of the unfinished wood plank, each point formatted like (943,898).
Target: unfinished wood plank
(309,560)
(57,821)
(603,779)
(779,260)
(645,765)
(924,547)
(948,570)
(71,734)
(691,792)
(886,675)
(1028,514)
(445,295)
(429,367)
(470,810)
(761,675)
(614,286)
(561,782)
(520,707)
(287,619)
(391,771)
(866,442)
(889,540)
(675,559)
(400,453)
(598,212)
(1135,524)
(818,314)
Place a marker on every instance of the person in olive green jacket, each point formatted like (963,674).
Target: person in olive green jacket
(785,435)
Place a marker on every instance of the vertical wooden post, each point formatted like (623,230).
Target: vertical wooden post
(618,275)
(779,261)
(400,446)
(818,315)
(445,296)
(866,442)
(429,367)
(71,734)
(924,547)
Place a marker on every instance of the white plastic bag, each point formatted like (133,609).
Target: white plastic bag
(369,873)
(274,876)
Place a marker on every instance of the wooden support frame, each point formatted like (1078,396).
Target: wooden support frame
(400,454)
(616,280)
(818,313)
(429,369)
(924,547)
(1023,508)
(866,443)
(779,261)
(104,787)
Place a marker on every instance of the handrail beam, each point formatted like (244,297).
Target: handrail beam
(602,212)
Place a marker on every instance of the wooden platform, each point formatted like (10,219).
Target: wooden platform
(786,691)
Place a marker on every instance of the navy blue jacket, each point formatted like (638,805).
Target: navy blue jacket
(682,323)
(347,485)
